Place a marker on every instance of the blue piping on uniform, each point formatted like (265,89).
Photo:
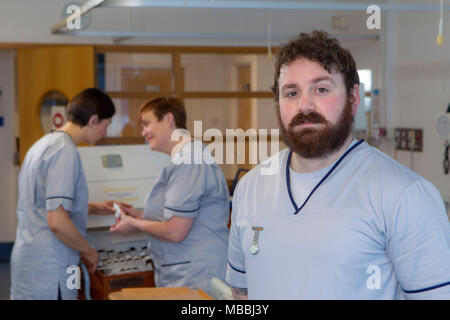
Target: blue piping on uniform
(235,269)
(428,289)
(59,197)
(181,210)
(174,264)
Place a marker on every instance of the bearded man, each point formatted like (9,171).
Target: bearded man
(339,219)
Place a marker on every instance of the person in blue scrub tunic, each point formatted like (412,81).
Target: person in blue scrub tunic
(331,217)
(53,204)
(187,211)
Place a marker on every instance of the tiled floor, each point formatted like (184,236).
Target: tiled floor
(5,280)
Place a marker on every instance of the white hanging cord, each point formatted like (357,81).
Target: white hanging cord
(440,38)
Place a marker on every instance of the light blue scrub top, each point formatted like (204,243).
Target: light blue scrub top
(373,229)
(51,175)
(196,191)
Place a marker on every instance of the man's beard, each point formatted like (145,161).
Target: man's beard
(315,143)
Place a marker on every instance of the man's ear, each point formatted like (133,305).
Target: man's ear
(355,98)
(93,120)
(170,119)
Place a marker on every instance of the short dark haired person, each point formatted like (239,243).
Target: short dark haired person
(53,204)
(339,219)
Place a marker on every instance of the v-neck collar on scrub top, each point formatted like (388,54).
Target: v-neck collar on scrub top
(288,180)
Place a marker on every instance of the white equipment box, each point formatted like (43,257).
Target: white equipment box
(123,173)
(126,174)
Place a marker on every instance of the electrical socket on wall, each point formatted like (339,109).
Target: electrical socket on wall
(409,139)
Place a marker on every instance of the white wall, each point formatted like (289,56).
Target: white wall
(8,171)
(420,78)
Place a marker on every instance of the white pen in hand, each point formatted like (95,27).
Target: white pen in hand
(117,208)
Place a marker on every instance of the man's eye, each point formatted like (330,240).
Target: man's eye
(291,94)
(322,90)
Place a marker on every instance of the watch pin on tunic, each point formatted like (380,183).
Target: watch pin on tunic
(254,247)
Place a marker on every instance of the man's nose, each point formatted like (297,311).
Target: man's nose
(305,103)
(144,131)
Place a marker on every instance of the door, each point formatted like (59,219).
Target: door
(67,69)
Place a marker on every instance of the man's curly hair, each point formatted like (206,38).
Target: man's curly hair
(320,47)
